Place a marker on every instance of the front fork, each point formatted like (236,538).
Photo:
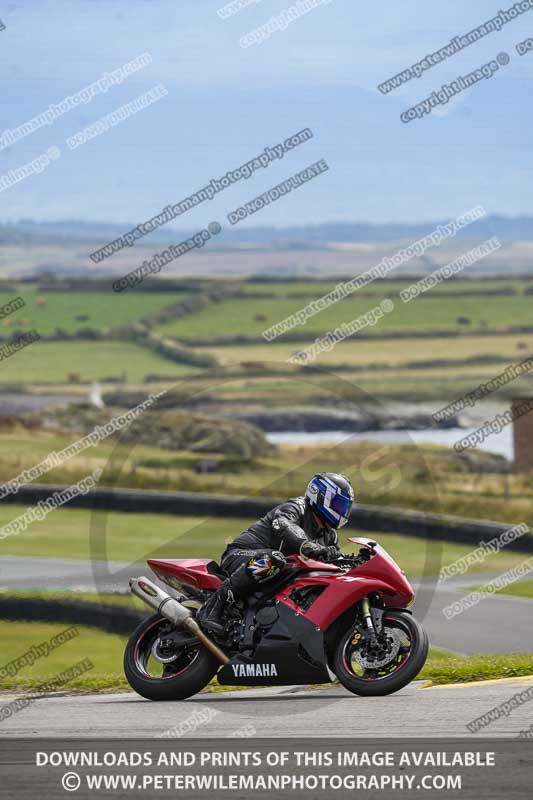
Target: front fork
(367,619)
(371,619)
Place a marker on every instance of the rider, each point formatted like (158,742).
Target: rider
(305,525)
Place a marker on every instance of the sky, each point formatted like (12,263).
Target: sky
(225,103)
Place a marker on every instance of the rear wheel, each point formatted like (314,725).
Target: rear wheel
(165,663)
(387,665)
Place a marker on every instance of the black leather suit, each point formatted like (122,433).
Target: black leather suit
(285,528)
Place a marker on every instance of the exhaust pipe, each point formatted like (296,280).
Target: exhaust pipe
(173,611)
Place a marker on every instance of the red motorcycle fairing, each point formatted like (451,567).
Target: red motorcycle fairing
(345,589)
(192,571)
(341,589)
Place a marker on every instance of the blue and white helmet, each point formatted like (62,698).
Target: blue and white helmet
(330,496)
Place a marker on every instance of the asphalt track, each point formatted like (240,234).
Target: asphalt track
(499,624)
(286,711)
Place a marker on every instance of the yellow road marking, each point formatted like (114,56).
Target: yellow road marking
(491,682)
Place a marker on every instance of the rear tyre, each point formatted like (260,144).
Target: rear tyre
(186,675)
(374,673)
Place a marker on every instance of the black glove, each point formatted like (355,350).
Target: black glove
(278,559)
(332,554)
(319,552)
(312,549)
(364,555)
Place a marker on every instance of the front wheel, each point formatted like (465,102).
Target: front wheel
(162,662)
(389,664)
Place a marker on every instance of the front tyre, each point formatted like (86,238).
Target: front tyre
(395,660)
(160,671)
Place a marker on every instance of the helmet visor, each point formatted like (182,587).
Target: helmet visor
(341,505)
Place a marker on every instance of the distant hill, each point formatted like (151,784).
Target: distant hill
(29,231)
(32,249)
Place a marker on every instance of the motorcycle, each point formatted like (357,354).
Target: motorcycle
(317,622)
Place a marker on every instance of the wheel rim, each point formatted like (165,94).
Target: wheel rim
(395,648)
(148,666)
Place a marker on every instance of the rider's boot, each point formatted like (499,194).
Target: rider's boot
(210,615)
(230,593)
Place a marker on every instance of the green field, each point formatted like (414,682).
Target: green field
(385,367)
(66,533)
(399,368)
(251,317)
(383,288)
(392,352)
(53,363)
(47,311)
(433,384)
(282,386)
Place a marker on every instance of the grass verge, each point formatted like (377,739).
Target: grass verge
(442,667)
(104,650)
(518,589)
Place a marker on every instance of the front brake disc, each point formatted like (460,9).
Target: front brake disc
(393,641)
